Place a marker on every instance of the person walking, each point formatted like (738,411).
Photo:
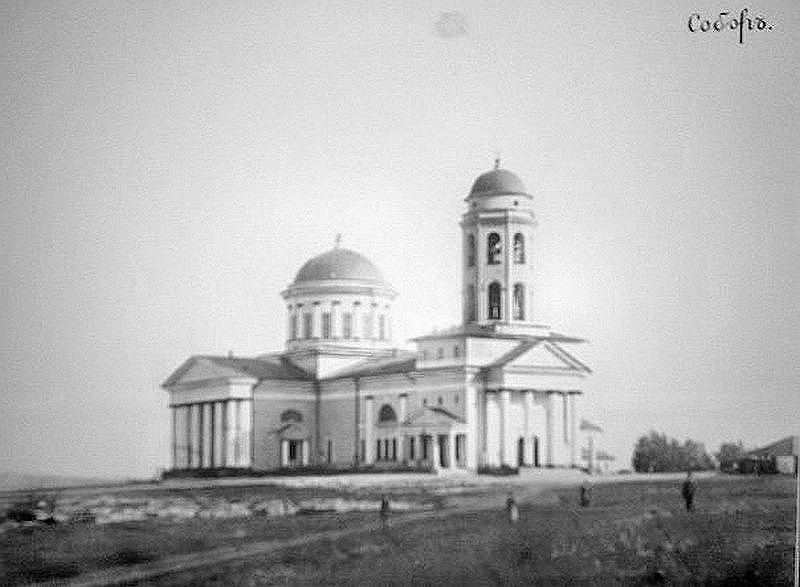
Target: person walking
(688,490)
(384,511)
(586,494)
(512,509)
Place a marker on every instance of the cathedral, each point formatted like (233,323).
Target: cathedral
(499,389)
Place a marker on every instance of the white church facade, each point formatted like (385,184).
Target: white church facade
(498,389)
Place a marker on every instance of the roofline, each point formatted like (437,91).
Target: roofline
(508,336)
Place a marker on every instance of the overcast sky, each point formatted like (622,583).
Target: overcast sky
(168,166)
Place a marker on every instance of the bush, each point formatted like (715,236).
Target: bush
(32,508)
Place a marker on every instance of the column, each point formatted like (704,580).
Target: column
(434,451)
(304,452)
(356,331)
(368,436)
(573,444)
(401,417)
(336,320)
(451,457)
(505,397)
(528,427)
(219,439)
(549,440)
(207,438)
(230,433)
(245,430)
(471,397)
(284,456)
(196,436)
(174,417)
(316,320)
(186,412)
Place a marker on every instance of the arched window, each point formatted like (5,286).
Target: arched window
(494,249)
(519,249)
(387,414)
(495,309)
(291,416)
(519,302)
(471,250)
(472,307)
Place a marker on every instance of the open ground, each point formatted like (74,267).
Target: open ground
(449,530)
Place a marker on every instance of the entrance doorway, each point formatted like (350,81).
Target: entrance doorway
(536,462)
(292,453)
(521,452)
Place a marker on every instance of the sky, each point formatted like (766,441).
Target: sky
(167,167)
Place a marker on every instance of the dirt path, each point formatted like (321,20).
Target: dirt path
(187,562)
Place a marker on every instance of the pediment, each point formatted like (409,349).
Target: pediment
(202,369)
(541,355)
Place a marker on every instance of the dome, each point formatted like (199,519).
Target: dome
(496,182)
(339,263)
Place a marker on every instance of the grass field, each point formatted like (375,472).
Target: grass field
(632,533)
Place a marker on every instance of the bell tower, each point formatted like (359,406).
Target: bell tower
(497,262)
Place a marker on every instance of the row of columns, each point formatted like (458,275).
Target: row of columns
(569,427)
(301,456)
(212,434)
(358,318)
(426,448)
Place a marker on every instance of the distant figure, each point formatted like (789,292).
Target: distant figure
(384,512)
(586,494)
(512,509)
(688,491)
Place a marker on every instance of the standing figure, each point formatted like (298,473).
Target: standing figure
(586,494)
(512,510)
(384,511)
(688,490)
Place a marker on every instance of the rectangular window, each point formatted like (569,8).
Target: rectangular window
(382,327)
(326,325)
(347,325)
(378,449)
(308,321)
(330,451)
(294,326)
(394,449)
(411,442)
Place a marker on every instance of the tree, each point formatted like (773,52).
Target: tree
(656,453)
(729,451)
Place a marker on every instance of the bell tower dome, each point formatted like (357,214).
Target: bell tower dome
(497,263)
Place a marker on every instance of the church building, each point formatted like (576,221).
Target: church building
(497,389)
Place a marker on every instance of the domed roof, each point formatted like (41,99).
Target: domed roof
(339,263)
(497,181)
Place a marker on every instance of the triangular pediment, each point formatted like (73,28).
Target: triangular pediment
(202,369)
(540,355)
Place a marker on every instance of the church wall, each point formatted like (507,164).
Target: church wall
(337,425)
(270,400)
(481,351)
